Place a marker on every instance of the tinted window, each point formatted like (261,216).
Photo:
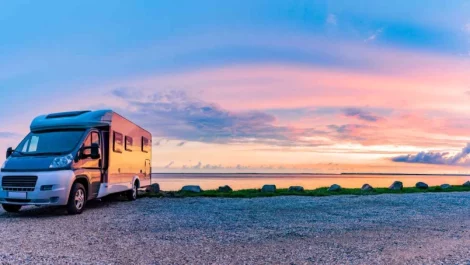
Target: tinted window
(145,145)
(50,142)
(92,138)
(87,143)
(129,142)
(118,142)
(95,138)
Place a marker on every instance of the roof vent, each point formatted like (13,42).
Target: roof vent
(66,114)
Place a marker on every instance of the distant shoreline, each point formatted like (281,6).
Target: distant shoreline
(317,174)
(405,174)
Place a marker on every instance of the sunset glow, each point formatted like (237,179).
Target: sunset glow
(324,87)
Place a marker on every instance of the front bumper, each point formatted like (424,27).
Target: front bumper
(60,180)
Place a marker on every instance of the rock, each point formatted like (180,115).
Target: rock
(269,188)
(397,185)
(422,185)
(296,188)
(154,188)
(225,188)
(445,186)
(192,188)
(335,187)
(466,184)
(367,187)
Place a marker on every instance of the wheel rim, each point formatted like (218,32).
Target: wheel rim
(79,199)
(134,191)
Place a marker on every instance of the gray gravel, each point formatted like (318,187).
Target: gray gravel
(432,228)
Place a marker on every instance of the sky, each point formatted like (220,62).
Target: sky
(252,86)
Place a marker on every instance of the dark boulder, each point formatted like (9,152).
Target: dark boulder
(192,188)
(367,187)
(335,187)
(397,185)
(269,188)
(445,186)
(154,188)
(422,185)
(225,188)
(296,188)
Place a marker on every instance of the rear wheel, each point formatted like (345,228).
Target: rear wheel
(132,194)
(77,199)
(11,208)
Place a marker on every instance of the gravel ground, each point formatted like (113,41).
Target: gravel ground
(431,228)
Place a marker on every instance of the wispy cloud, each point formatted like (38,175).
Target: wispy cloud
(349,132)
(374,35)
(361,114)
(438,158)
(8,135)
(346,128)
(209,166)
(198,165)
(176,115)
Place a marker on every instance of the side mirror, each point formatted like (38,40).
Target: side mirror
(9,152)
(94,151)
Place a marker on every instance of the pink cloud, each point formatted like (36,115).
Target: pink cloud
(426,94)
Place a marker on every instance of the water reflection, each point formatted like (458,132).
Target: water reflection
(171,182)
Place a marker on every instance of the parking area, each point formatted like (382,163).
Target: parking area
(393,229)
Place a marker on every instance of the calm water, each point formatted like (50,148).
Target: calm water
(170,182)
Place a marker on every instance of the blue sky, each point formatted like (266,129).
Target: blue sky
(64,54)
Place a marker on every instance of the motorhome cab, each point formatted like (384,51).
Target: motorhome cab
(72,157)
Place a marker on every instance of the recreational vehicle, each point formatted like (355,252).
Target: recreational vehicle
(70,158)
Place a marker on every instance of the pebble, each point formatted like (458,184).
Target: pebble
(387,228)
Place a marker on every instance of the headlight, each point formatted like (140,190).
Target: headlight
(60,162)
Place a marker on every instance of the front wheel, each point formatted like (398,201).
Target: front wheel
(132,194)
(77,199)
(11,208)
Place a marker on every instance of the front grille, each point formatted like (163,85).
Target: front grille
(19,183)
(18,200)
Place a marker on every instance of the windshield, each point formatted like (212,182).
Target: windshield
(52,142)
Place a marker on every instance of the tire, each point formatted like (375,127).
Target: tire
(132,194)
(11,208)
(77,199)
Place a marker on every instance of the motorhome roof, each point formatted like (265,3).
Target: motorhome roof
(72,120)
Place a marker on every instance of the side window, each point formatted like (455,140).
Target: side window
(92,138)
(117,142)
(87,143)
(95,138)
(129,142)
(145,145)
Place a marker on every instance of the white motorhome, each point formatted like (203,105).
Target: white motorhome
(70,158)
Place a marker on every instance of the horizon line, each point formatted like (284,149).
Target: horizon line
(293,173)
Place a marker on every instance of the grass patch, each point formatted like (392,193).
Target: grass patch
(255,193)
